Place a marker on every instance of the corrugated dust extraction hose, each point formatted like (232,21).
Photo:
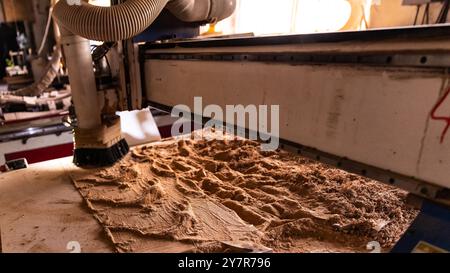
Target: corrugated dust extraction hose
(113,23)
(123,21)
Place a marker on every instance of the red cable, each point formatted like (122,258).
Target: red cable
(446,119)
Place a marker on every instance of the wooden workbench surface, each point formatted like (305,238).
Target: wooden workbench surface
(40,211)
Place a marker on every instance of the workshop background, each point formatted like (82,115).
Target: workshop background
(90,160)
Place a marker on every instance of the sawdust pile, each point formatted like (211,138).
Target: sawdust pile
(204,195)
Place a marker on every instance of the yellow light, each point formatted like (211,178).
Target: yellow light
(104,3)
(321,15)
(264,17)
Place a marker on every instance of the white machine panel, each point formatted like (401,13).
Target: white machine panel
(376,116)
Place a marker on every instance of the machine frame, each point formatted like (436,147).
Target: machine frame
(361,101)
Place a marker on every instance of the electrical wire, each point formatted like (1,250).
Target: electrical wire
(442,18)
(47,28)
(426,15)
(99,51)
(417,14)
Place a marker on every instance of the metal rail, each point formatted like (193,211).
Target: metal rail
(34,132)
(397,60)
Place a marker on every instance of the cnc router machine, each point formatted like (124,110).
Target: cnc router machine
(374,103)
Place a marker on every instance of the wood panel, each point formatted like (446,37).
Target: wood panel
(41,211)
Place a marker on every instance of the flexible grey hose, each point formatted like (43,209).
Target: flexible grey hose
(51,71)
(128,19)
(114,23)
(201,10)
(47,28)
